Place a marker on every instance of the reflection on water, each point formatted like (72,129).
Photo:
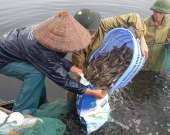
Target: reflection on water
(140,108)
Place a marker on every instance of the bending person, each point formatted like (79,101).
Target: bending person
(31,53)
(157,30)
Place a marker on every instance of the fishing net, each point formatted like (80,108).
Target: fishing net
(159,57)
(33,126)
(54,109)
(49,119)
(166,64)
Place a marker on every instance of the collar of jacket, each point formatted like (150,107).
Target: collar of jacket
(163,24)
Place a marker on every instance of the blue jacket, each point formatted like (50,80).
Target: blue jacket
(20,45)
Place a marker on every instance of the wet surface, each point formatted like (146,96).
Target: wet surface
(141,108)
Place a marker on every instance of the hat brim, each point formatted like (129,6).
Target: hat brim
(165,11)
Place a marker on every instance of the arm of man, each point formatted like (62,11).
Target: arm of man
(168,36)
(144,47)
(125,21)
(56,68)
(128,20)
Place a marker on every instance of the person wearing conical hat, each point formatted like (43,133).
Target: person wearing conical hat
(31,53)
(158,30)
(98,28)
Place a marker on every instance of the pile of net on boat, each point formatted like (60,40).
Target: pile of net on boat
(54,118)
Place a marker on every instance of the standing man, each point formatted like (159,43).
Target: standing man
(157,30)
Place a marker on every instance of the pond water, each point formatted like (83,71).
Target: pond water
(140,108)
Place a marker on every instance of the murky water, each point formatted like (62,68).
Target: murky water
(140,108)
(143,105)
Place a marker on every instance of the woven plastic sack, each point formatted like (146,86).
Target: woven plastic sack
(93,113)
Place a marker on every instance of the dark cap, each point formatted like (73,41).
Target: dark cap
(88,18)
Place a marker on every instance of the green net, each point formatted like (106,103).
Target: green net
(33,126)
(56,118)
(159,57)
(55,109)
(166,64)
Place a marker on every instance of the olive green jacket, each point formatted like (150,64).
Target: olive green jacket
(154,34)
(125,21)
(157,34)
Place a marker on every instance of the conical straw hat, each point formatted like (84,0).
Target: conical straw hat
(62,33)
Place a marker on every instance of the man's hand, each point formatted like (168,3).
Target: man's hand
(96,93)
(76,70)
(144,47)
